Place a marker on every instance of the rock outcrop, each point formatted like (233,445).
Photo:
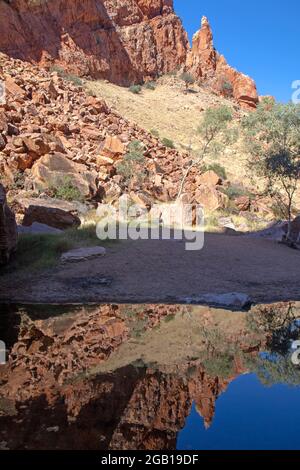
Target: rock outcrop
(124,41)
(8,229)
(210,67)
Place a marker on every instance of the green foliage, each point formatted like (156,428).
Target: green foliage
(155,133)
(218,169)
(19,181)
(150,85)
(132,166)
(64,189)
(135,89)
(188,79)
(168,143)
(272,138)
(214,133)
(234,191)
(77,81)
(36,252)
(226,88)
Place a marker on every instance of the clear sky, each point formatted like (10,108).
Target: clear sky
(260,38)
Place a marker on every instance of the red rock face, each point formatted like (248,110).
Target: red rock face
(124,41)
(207,65)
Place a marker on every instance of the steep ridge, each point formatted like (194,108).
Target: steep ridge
(123,41)
(211,67)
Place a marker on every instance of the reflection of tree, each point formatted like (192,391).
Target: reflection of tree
(219,356)
(274,369)
(277,323)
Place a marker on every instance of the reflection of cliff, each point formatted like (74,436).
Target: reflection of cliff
(118,377)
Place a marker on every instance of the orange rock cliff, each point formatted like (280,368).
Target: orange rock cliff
(123,41)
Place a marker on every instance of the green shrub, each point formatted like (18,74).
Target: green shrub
(77,81)
(135,89)
(150,85)
(155,133)
(218,169)
(188,79)
(227,88)
(65,189)
(236,191)
(168,143)
(132,166)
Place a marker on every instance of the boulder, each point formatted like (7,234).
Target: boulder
(113,147)
(210,198)
(209,178)
(83,254)
(231,300)
(38,229)
(8,229)
(52,170)
(51,216)
(243,203)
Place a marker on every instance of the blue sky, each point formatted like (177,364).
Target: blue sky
(259,38)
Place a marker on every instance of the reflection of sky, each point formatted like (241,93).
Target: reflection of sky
(248,416)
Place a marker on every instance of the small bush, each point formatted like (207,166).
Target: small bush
(218,169)
(66,190)
(150,86)
(67,76)
(74,79)
(155,133)
(188,79)
(132,166)
(135,89)
(227,88)
(168,143)
(236,191)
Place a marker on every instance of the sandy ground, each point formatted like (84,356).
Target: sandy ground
(163,271)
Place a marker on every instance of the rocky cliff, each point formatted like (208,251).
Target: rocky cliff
(124,41)
(209,66)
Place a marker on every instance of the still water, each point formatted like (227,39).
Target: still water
(149,377)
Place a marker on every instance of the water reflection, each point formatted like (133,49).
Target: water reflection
(147,377)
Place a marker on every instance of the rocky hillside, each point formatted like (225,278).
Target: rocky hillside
(124,41)
(52,130)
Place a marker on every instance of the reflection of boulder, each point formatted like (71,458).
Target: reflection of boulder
(8,229)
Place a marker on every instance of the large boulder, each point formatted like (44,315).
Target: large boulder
(54,213)
(53,170)
(210,198)
(8,229)
(209,178)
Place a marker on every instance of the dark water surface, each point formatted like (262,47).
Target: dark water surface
(149,377)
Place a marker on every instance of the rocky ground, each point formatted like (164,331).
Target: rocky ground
(162,271)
